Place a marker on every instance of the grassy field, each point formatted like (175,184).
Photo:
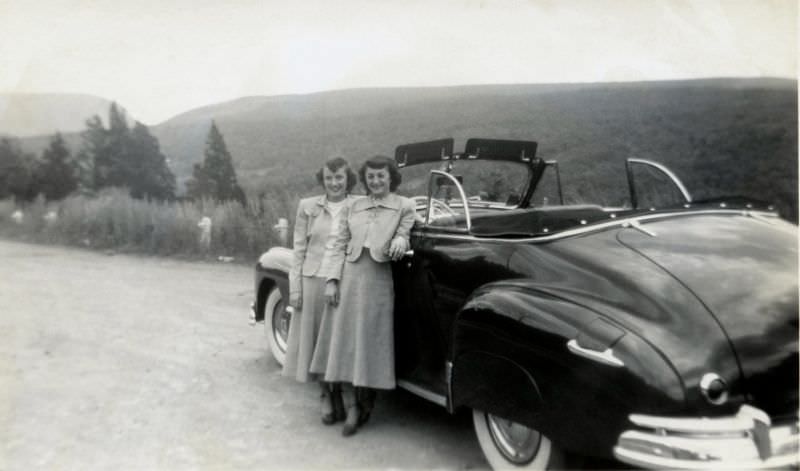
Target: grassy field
(114,221)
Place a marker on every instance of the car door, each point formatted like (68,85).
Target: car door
(433,283)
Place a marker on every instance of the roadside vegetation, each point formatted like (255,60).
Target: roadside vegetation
(117,193)
(114,221)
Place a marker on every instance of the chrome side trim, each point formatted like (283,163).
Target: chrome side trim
(744,441)
(760,217)
(605,357)
(597,227)
(448,369)
(422,392)
(635,224)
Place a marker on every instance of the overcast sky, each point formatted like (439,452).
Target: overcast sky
(159,58)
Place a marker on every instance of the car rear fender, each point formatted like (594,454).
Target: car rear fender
(510,358)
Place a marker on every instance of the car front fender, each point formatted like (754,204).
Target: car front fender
(271,270)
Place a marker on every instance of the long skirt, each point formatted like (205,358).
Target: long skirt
(356,338)
(304,330)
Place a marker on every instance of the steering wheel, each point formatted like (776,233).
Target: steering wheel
(439,208)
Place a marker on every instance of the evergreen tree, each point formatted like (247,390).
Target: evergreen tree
(199,186)
(92,161)
(123,157)
(15,171)
(55,175)
(118,149)
(150,175)
(216,178)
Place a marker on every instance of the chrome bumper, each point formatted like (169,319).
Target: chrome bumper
(747,440)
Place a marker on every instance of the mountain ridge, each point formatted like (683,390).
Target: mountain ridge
(37,114)
(697,127)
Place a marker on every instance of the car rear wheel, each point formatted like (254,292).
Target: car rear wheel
(509,445)
(276,324)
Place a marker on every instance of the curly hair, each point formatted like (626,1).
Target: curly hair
(334,164)
(379,162)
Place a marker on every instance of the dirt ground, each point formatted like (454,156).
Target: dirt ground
(122,362)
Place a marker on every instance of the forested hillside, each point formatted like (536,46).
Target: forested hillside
(722,136)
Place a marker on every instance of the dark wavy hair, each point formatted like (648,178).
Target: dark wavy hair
(334,164)
(378,162)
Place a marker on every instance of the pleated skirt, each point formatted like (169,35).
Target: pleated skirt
(356,338)
(304,330)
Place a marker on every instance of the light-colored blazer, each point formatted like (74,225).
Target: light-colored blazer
(375,222)
(312,228)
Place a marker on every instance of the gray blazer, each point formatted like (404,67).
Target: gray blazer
(374,222)
(312,227)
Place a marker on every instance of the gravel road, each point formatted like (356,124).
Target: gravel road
(123,362)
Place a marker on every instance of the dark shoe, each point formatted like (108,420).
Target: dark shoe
(328,413)
(351,422)
(339,412)
(366,402)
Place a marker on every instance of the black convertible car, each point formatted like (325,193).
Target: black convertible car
(662,332)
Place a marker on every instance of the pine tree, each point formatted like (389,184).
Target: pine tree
(92,161)
(123,157)
(118,149)
(55,175)
(150,175)
(199,186)
(216,178)
(15,171)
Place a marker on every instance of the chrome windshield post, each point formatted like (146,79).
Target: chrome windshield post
(431,179)
(674,178)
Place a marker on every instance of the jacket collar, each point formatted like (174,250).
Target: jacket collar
(324,199)
(391,201)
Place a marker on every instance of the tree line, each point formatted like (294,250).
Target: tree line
(117,155)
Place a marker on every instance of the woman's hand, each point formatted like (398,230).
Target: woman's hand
(397,248)
(332,292)
(296,300)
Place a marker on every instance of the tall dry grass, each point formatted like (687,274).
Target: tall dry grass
(113,220)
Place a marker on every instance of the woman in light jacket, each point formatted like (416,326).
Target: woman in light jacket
(356,341)
(316,222)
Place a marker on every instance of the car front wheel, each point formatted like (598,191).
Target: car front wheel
(276,324)
(509,445)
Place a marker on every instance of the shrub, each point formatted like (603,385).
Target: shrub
(114,220)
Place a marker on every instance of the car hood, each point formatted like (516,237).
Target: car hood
(744,271)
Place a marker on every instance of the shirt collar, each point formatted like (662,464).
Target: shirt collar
(391,201)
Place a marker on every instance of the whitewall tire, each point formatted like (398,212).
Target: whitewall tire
(509,445)
(276,325)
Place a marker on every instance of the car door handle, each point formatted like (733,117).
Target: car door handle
(408,256)
(605,357)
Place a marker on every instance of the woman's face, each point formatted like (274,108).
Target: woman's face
(378,181)
(335,183)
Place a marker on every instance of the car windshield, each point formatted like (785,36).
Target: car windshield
(490,184)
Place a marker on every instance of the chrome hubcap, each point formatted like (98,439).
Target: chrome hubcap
(280,325)
(517,443)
